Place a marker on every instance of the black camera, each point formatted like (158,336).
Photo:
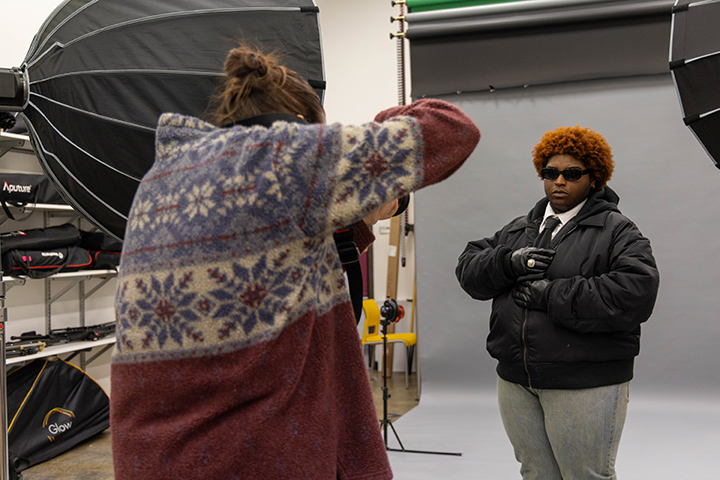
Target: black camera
(13,90)
(391,311)
(403,203)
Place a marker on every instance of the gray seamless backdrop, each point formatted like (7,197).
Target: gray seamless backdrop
(667,184)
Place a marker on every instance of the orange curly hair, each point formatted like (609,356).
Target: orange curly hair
(584,145)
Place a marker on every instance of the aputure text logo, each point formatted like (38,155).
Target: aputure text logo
(17,188)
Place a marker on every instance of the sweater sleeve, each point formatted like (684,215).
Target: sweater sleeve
(449,136)
(356,169)
(363,235)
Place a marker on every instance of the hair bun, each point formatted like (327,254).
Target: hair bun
(256,82)
(244,62)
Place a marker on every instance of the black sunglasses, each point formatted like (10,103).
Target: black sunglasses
(569,174)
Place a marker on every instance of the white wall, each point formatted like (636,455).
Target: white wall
(21,20)
(361,74)
(361,68)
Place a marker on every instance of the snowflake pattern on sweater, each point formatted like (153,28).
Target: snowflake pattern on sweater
(195,280)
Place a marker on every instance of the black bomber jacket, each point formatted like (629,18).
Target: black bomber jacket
(604,282)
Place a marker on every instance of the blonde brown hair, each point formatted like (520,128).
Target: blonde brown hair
(255,83)
(584,145)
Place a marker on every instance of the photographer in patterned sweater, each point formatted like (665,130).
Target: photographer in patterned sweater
(237,352)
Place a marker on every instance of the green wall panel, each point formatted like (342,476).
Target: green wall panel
(428,5)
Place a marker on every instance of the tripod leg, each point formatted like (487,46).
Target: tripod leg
(396,435)
(384,423)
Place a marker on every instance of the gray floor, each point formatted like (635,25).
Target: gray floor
(665,438)
(92,459)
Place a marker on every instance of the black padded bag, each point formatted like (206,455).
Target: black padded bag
(21,189)
(103,260)
(99,241)
(52,406)
(40,238)
(43,263)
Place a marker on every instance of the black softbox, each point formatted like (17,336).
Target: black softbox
(52,406)
(100,72)
(695,66)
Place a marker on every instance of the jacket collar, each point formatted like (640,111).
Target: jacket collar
(598,201)
(603,200)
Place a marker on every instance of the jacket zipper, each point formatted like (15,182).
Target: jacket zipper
(525,322)
(566,234)
(525,348)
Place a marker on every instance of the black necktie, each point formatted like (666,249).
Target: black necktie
(545,236)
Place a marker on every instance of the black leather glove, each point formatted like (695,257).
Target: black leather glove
(532,295)
(530,261)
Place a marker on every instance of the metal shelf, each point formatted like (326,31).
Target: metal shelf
(73,279)
(22,150)
(14,142)
(70,347)
(83,274)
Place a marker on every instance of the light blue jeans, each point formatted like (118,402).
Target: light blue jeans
(564,434)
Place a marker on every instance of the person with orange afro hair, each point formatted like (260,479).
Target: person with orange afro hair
(577,142)
(571,283)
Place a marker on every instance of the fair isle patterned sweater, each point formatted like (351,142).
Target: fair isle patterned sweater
(237,354)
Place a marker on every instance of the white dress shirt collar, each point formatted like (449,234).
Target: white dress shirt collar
(564,217)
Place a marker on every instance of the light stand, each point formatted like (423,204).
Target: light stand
(5,472)
(389,313)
